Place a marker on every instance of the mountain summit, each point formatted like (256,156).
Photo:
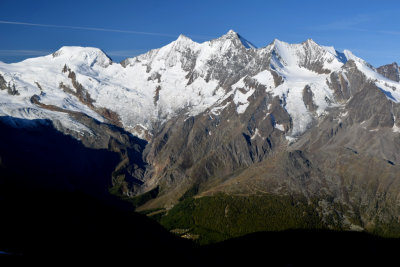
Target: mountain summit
(235,36)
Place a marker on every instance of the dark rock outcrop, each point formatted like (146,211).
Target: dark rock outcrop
(390,71)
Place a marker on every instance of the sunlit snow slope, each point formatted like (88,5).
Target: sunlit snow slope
(182,78)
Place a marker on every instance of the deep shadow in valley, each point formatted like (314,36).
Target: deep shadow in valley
(33,153)
(55,207)
(304,248)
(55,203)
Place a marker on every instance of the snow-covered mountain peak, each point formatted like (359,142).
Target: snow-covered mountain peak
(284,54)
(350,56)
(330,49)
(314,47)
(166,56)
(308,54)
(339,55)
(277,42)
(182,43)
(235,39)
(183,39)
(231,32)
(310,42)
(86,55)
(361,63)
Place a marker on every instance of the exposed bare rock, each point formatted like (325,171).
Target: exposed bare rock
(308,99)
(9,87)
(390,71)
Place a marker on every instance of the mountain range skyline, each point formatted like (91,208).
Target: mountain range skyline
(368,30)
(166,90)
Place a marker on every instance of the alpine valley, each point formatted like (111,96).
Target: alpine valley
(213,140)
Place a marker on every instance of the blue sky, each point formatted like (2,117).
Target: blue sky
(369,28)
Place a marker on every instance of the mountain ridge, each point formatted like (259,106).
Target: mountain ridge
(193,70)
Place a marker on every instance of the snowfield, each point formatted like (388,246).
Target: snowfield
(179,78)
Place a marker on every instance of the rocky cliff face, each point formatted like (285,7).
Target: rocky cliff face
(224,116)
(390,71)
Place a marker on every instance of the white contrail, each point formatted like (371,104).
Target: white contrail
(23,52)
(96,29)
